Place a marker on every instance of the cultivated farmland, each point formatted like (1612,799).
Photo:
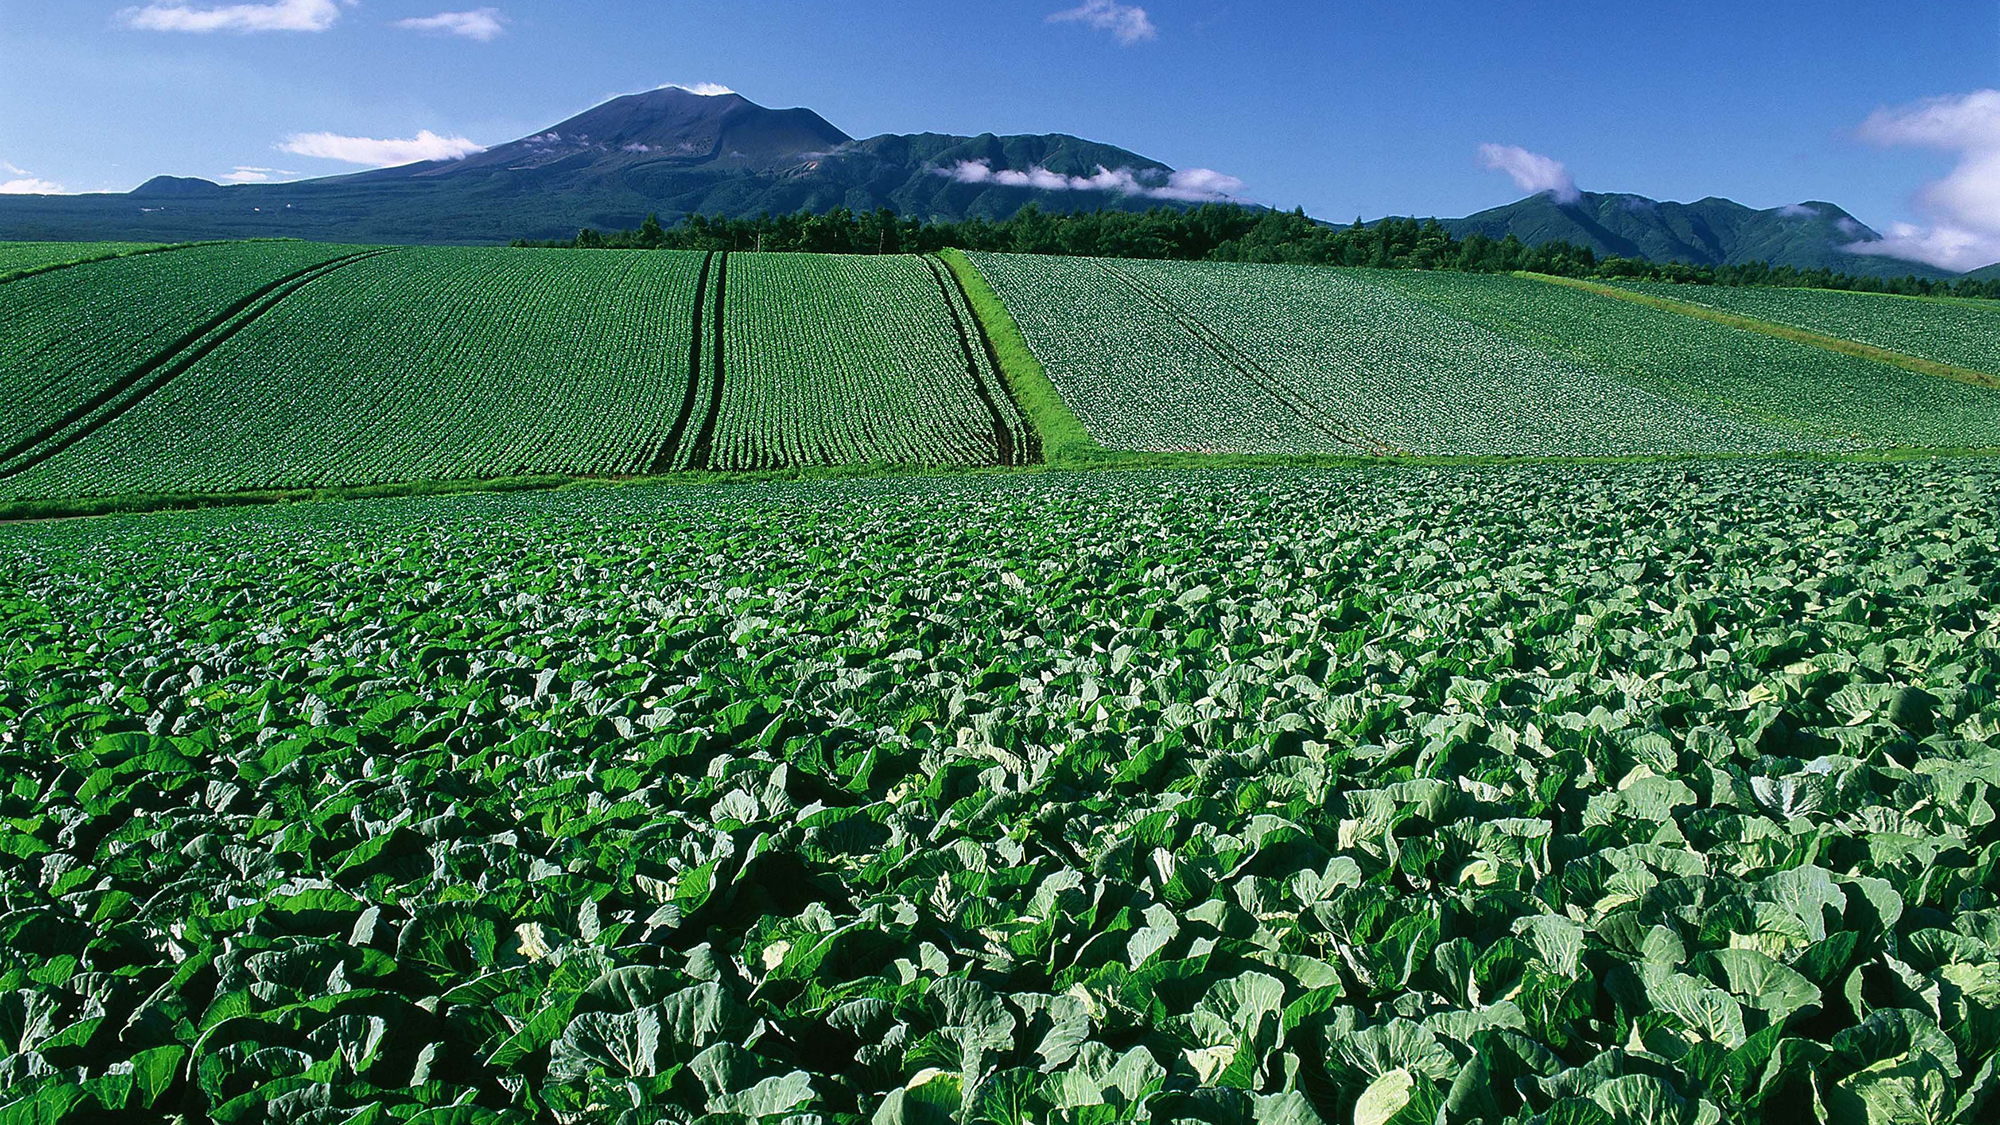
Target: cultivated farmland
(81,343)
(1535,793)
(840,360)
(1818,398)
(419,364)
(1254,358)
(22,257)
(1962,333)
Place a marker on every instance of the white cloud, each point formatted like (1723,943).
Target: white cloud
(426,145)
(1964,206)
(1189,185)
(28,185)
(1531,171)
(1799,211)
(705,89)
(483,24)
(246,174)
(1127,23)
(281,15)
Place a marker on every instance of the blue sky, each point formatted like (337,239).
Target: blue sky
(1345,107)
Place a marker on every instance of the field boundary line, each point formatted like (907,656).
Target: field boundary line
(664,459)
(1003,434)
(1257,373)
(704,443)
(139,384)
(1055,434)
(52,267)
(1778,331)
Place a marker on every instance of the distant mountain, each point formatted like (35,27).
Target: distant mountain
(669,152)
(1987,273)
(1709,232)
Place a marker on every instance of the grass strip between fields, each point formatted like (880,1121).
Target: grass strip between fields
(1064,440)
(1779,331)
(22,511)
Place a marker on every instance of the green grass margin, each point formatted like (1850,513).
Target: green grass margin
(1774,329)
(28,511)
(1063,436)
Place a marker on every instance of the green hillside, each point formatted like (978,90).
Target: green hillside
(1962,333)
(1248,359)
(285,366)
(17,258)
(288,365)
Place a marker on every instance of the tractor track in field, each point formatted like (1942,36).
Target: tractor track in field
(1003,434)
(664,460)
(1249,368)
(166,365)
(703,453)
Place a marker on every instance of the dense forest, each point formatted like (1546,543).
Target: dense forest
(1217,233)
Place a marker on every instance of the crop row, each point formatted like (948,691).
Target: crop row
(69,335)
(1419,379)
(832,360)
(1608,794)
(1962,333)
(420,364)
(21,257)
(1815,396)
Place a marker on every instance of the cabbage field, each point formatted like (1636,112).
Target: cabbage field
(1273,359)
(1608,794)
(1962,333)
(844,359)
(18,258)
(1820,399)
(1218,357)
(290,365)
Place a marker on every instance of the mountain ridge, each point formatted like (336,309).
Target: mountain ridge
(673,152)
(1712,231)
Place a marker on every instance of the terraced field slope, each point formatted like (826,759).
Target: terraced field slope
(1963,333)
(289,365)
(1632,795)
(836,360)
(1246,358)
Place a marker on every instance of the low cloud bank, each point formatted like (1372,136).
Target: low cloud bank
(1189,185)
(386,153)
(1964,206)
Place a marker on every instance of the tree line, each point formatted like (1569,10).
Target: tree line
(1216,233)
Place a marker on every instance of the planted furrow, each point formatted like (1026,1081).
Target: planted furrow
(115,399)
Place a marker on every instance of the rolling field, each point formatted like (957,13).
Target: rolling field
(82,343)
(1612,794)
(810,343)
(417,364)
(282,365)
(1961,333)
(1253,359)
(17,258)
(1816,398)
